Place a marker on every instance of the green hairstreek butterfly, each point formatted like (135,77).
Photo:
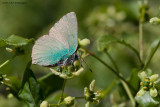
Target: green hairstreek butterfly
(59,47)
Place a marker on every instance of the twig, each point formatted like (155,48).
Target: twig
(123,83)
(61,98)
(110,68)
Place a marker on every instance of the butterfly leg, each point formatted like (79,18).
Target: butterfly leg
(72,63)
(80,59)
(59,66)
(73,66)
(59,69)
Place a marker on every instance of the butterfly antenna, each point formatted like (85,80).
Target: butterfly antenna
(86,64)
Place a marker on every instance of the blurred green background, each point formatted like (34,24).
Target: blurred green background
(95,18)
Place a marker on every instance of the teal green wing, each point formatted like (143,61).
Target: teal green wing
(48,51)
(65,31)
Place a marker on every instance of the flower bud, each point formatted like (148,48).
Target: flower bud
(76,63)
(140,92)
(4,76)
(84,42)
(121,16)
(92,85)
(44,104)
(58,73)
(155,20)
(55,72)
(9,49)
(69,101)
(111,10)
(153,92)
(10,95)
(154,77)
(78,72)
(157,81)
(143,75)
(87,104)
(86,93)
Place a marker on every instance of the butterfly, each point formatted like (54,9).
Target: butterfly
(59,47)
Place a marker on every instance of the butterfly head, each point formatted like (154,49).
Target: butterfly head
(71,59)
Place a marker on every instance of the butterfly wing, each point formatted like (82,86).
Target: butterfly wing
(48,51)
(66,27)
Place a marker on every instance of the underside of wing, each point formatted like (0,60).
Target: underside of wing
(65,30)
(48,51)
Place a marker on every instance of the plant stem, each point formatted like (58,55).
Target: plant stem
(106,91)
(123,83)
(133,49)
(7,61)
(113,62)
(50,105)
(57,105)
(61,98)
(142,12)
(79,97)
(141,39)
(128,93)
(110,68)
(45,76)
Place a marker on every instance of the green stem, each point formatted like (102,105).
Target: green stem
(50,105)
(110,68)
(133,49)
(142,13)
(141,39)
(123,83)
(45,76)
(6,62)
(79,97)
(105,92)
(128,93)
(57,105)
(61,98)
(113,62)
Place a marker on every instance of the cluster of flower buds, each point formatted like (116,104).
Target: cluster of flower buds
(155,20)
(69,71)
(82,44)
(148,83)
(69,101)
(4,79)
(91,95)
(73,70)
(16,50)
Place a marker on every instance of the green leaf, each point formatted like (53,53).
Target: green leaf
(30,91)
(152,51)
(50,83)
(2,43)
(14,40)
(147,101)
(18,41)
(13,83)
(104,41)
(134,80)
